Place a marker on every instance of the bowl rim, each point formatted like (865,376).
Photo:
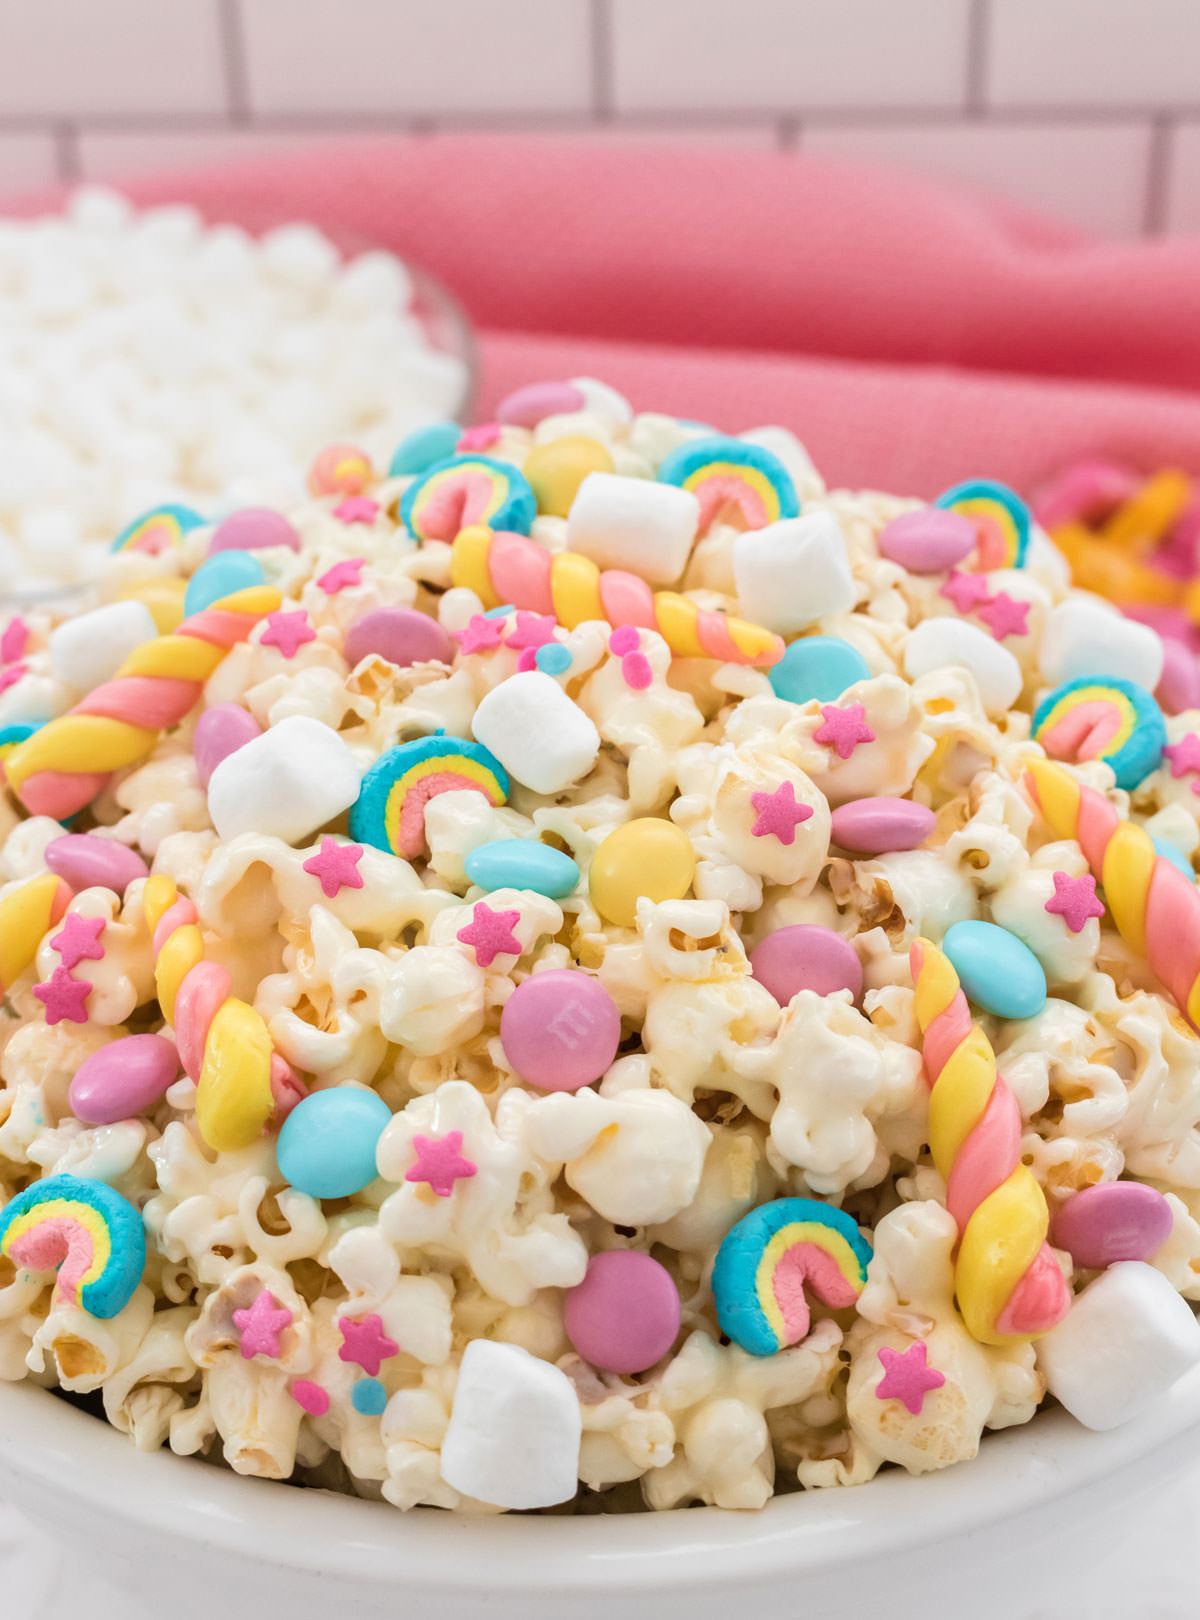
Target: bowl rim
(63,1455)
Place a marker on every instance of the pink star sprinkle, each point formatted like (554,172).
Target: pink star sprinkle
(356,509)
(310,1396)
(779,814)
(907,1377)
(346,572)
(79,937)
(1005,616)
(337,866)
(11,675)
(440,1162)
(365,1344)
(478,438)
(491,933)
(532,630)
(1074,900)
(12,642)
(261,1325)
(844,728)
(63,997)
(480,634)
(636,671)
(1184,755)
(288,632)
(966,591)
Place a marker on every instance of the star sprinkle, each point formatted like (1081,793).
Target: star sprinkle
(12,642)
(779,814)
(907,1377)
(1005,616)
(288,632)
(1184,755)
(1074,900)
(480,634)
(966,591)
(356,509)
(346,572)
(478,438)
(261,1325)
(529,631)
(365,1344)
(310,1396)
(844,728)
(491,934)
(79,938)
(440,1162)
(337,866)
(63,997)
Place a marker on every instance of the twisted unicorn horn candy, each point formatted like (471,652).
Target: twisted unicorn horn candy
(1155,908)
(507,568)
(27,914)
(65,764)
(223,1043)
(91,1236)
(1008,1282)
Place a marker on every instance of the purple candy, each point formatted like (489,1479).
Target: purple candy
(624,1315)
(532,404)
(560,1029)
(401,635)
(928,542)
(254,528)
(221,731)
(804,956)
(86,861)
(123,1078)
(880,826)
(1117,1220)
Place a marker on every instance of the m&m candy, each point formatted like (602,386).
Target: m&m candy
(624,1315)
(560,1029)
(997,971)
(224,574)
(804,956)
(522,863)
(647,857)
(327,1143)
(820,667)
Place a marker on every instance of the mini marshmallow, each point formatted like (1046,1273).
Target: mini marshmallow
(1127,1338)
(538,734)
(515,1429)
(288,783)
(793,573)
(634,524)
(1085,637)
(603,401)
(87,651)
(938,642)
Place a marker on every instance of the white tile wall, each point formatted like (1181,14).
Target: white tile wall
(1089,109)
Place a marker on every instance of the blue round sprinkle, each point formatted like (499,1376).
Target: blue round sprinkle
(820,667)
(997,971)
(522,863)
(553,658)
(500,612)
(369,1397)
(423,447)
(1169,853)
(327,1144)
(221,575)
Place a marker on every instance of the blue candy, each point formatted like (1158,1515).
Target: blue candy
(424,447)
(327,1143)
(57,1220)
(1169,853)
(1138,731)
(718,460)
(222,575)
(997,971)
(553,658)
(522,863)
(820,667)
(369,1397)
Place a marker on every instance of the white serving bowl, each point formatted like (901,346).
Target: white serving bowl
(1010,1535)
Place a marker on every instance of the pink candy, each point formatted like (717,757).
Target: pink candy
(928,542)
(624,1315)
(1117,1220)
(221,731)
(560,1029)
(401,635)
(806,957)
(255,528)
(123,1078)
(881,826)
(85,861)
(528,406)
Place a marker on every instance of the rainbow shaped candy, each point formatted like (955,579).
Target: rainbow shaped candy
(1001,520)
(1102,717)
(768,1260)
(160,529)
(389,812)
(732,479)
(27,914)
(1007,1280)
(91,1236)
(462,491)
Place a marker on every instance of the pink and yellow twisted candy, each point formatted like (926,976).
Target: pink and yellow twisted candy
(223,1043)
(1155,909)
(66,763)
(27,914)
(1008,1282)
(508,568)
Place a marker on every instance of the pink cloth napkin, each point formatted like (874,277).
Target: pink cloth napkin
(910,333)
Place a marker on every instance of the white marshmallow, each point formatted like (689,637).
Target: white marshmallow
(1125,1341)
(515,1429)
(87,651)
(604,401)
(1085,637)
(781,442)
(793,573)
(289,782)
(538,734)
(635,524)
(938,642)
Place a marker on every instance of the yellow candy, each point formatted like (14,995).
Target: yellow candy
(26,916)
(555,471)
(164,598)
(650,857)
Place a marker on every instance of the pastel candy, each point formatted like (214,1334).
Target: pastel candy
(998,971)
(83,1230)
(123,1078)
(882,825)
(87,650)
(85,861)
(401,635)
(223,574)
(1101,717)
(522,863)
(423,448)
(288,782)
(1085,637)
(158,530)
(735,482)
(538,733)
(221,731)
(649,858)
(1113,1221)
(254,528)
(526,407)
(624,1315)
(804,956)
(999,516)
(390,808)
(1178,860)
(927,542)
(817,667)
(937,643)
(793,573)
(515,1429)
(327,1143)
(556,470)
(635,525)
(560,1029)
